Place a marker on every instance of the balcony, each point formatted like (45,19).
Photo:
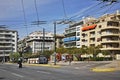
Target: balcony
(9,46)
(92,36)
(109,34)
(5,50)
(4,33)
(6,41)
(110,41)
(109,27)
(5,37)
(110,48)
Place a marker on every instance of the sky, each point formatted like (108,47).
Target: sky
(19,17)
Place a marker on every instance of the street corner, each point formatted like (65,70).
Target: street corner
(103,69)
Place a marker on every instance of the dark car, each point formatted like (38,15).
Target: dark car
(43,60)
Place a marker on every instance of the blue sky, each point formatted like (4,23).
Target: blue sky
(12,14)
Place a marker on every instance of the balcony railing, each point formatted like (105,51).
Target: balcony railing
(111,48)
(109,27)
(110,41)
(109,34)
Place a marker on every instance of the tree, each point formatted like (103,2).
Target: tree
(83,50)
(61,50)
(97,50)
(14,56)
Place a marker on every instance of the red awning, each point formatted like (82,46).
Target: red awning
(89,27)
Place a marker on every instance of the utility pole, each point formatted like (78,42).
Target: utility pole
(43,41)
(54,43)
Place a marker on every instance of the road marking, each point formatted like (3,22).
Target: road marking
(44,72)
(17,75)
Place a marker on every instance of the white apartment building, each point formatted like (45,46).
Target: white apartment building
(8,42)
(72,35)
(38,43)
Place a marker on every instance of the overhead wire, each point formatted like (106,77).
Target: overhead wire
(104,10)
(101,8)
(109,8)
(85,10)
(95,11)
(64,10)
(24,15)
(37,15)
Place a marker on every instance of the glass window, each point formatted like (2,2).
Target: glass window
(78,33)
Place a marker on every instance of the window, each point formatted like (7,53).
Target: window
(78,28)
(111,23)
(78,33)
(100,26)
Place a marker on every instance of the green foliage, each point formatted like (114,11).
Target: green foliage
(61,50)
(47,53)
(104,52)
(101,58)
(14,56)
(27,55)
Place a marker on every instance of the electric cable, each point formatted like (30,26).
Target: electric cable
(64,10)
(37,15)
(87,9)
(25,20)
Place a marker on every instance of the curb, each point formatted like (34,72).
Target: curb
(44,65)
(103,69)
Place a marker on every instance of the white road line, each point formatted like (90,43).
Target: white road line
(44,72)
(17,75)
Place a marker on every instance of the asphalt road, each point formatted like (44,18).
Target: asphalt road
(77,72)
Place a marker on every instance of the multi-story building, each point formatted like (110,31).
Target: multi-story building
(72,35)
(104,31)
(39,41)
(8,42)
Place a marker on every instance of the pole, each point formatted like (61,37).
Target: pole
(55,43)
(43,41)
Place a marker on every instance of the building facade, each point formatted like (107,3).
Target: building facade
(40,41)
(104,31)
(8,42)
(72,35)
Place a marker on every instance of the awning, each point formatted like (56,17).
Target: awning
(89,27)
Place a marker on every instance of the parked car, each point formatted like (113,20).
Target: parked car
(43,60)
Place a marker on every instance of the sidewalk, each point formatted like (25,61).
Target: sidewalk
(113,66)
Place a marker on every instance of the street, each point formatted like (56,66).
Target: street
(77,72)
